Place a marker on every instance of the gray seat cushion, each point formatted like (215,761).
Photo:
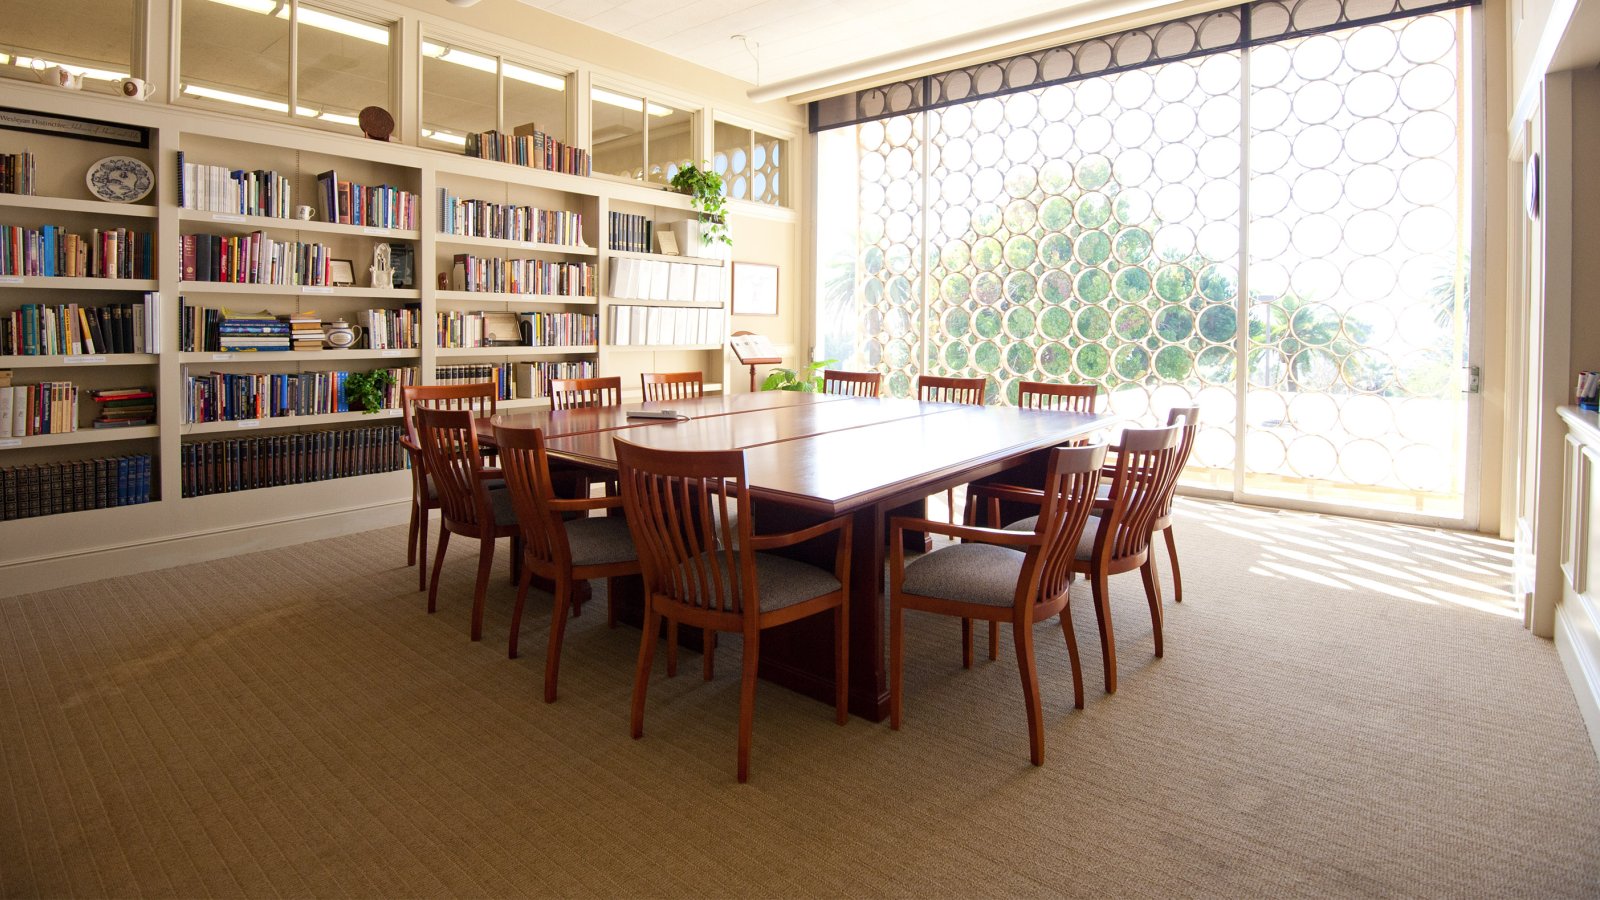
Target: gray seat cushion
(505,512)
(1085,543)
(972,573)
(598,540)
(782,582)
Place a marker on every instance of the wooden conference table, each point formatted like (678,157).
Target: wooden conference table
(808,458)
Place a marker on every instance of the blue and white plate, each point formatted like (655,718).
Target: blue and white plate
(120,179)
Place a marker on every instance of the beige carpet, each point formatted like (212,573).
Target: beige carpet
(1344,709)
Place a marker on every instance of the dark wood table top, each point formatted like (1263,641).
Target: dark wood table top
(558,422)
(840,455)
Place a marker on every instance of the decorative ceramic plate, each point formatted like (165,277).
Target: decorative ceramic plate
(120,179)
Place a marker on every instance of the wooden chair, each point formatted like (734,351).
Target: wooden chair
(473,500)
(1069,397)
(561,549)
(939,389)
(1190,417)
(1141,486)
(659,386)
(480,399)
(585,393)
(851,384)
(1001,576)
(704,567)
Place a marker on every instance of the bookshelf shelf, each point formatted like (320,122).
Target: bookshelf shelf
(259,357)
(456,240)
(662,257)
(493,297)
(64,204)
(227,287)
(513,351)
(242,223)
(656,348)
(79,284)
(82,436)
(281,422)
(99,359)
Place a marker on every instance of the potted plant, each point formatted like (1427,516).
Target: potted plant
(809,381)
(704,189)
(366,389)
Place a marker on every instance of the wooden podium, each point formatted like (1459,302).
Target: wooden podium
(754,350)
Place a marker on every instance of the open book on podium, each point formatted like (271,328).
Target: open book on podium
(754,350)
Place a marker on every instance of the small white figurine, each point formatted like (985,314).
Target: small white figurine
(382,269)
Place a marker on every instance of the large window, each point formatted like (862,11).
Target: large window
(466,91)
(639,138)
(40,35)
(235,55)
(1101,230)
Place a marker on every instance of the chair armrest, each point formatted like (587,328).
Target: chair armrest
(968,532)
(1010,492)
(790,538)
(584,505)
(409,444)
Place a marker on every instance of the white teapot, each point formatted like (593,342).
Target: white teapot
(341,335)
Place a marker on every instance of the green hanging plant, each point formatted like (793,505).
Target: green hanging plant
(704,189)
(365,389)
(810,381)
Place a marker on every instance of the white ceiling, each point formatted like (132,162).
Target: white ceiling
(793,38)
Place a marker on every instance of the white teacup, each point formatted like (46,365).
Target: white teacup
(60,77)
(304,213)
(136,88)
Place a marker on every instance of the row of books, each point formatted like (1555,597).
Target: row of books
(240,396)
(655,279)
(529,146)
(221,189)
(501,375)
(507,221)
(243,464)
(18,173)
(382,206)
(49,407)
(52,251)
(529,329)
(651,325)
(533,378)
(247,332)
(630,233)
(37,329)
(523,276)
(1588,392)
(255,258)
(46,489)
(392,329)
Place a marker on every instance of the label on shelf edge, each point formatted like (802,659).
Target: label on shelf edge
(225,217)
(389,353)
(315,289)
(10,279)
(391,412)
(83,360)
(10,442)
(374,230)
(248,423)
(221,357)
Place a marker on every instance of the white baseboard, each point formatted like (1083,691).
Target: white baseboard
(1577,640)
(46,573)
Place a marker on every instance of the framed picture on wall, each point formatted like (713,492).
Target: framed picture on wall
(755,289)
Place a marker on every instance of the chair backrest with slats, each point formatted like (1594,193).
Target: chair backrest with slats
(689,512)
(1070,484)
(950,390)
(1139,487)
(585,393)
(1070,397)
(449,445)
(672,385)
(851,384)
(527,474)
(1187,417)
(477,398)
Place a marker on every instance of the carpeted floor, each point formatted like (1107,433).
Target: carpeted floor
(1344,709)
